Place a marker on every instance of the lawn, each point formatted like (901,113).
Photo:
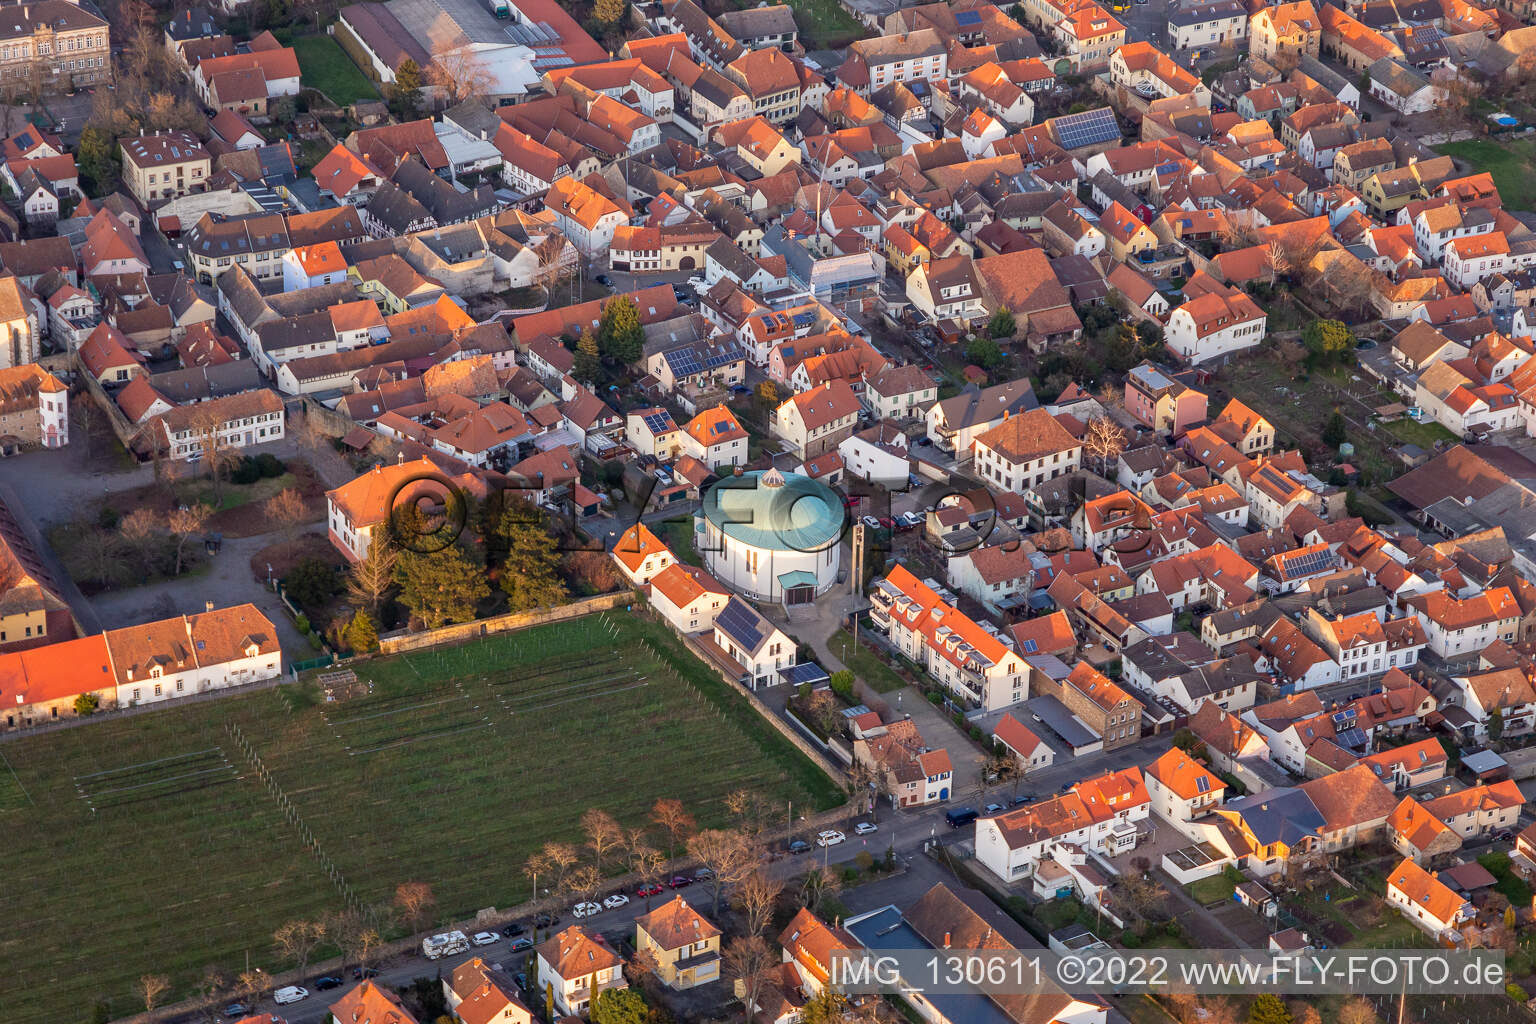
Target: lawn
(865,663)
(1216,889)
(150,844)
(1424,434)
(324,65)
(1512,164)
(677,534)
(825,24)
(1510,884)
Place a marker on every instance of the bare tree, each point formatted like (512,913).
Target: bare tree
(356,932)
(139,528)
(459,72)
(285,510)
(298,939)
(184,521)
(749,810)
(413,899)
(371,578)
(755,896)
(558,859)
(1104,441)
(651,867)
(675,821)
(729,856)
(215,450)
(819,886)
(310,432)
(585,881)
(749,962)
(1276,262)
(1304,1013)
(603,833)
(253,984)
(1357,1011)
(152,988)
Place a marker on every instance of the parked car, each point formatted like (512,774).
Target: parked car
(865,828)
(654,889)
(237,1010)
(520,943)
(328,982)
(886,522)
(587,909)
(923,442)
(741,389)
(992,809)
(363,973)
(679,882)
(522,980)
(871,522)
(604,280)
(1023,798)
(615,901)
(1504,836)
(512,930)
(484,938)
(547,919)
(291,994)
(959,817)
(798,846)
(703,875)
(831,837)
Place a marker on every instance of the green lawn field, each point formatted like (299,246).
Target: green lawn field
(324,65)
(1512,164)
(151,844)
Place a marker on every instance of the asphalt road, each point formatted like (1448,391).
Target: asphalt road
(904,831)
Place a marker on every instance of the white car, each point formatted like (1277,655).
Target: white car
(864,828)
(291,994)
(585,910)
(616,901)
(831,837)
(485,938)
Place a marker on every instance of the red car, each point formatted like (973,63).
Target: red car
(680,881)
(650,890)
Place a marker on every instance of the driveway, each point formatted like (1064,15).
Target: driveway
(58,483)
(227,581)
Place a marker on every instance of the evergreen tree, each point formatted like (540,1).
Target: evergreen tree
(407,88)
(620,1006)
(1268,1009)
(529,573)
(1334,430)
(441,586)
(1002,324)
(95,151)
(588,362)
(619,335)
(361,635)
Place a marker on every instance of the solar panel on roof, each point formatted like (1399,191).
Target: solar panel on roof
(967,17)
(1087,128)
(656,422)
(737,621)
(1352,738)
(1031,647)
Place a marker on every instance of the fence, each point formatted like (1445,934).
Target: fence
(402,642)
(773,718)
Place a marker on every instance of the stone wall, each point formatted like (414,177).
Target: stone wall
(817,754)
(402,642)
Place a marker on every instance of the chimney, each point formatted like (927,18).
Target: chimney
(207,606)
(400,458)
(946,940)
